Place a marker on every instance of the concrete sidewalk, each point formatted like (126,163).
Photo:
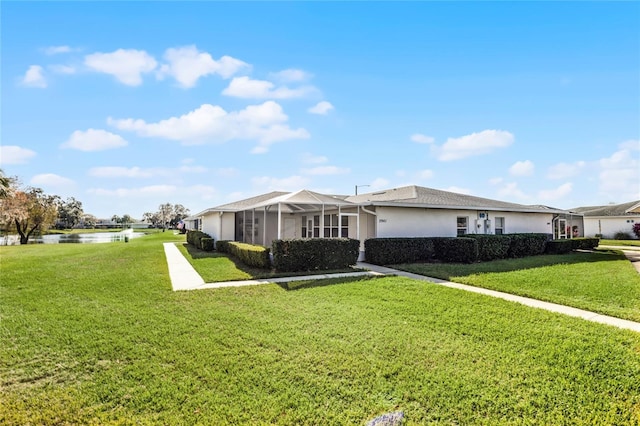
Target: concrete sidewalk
(184,277)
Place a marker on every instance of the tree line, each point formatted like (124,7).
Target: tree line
(30,211)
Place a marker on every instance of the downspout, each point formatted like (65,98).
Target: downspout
(554,227)
(220,225)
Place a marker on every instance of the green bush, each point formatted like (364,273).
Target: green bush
(523,245)
(621,235)
(559,246)
(222,246)
(250,254)
(456,249)
(315,254)
(585,243)
(388,251)
(492,247)
(194,237)
(207,244)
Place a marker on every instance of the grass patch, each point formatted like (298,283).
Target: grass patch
(624,243)
(216,267)
(93,334)
(603,282)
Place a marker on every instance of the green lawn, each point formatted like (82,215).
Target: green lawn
(603,282)
(93,334)
(620,243)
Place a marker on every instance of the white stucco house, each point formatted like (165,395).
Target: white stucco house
(610,219)
(410,211)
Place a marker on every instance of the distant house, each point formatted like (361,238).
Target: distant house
(410,211)
(610,219)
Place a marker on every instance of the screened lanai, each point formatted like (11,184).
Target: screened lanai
(302,214)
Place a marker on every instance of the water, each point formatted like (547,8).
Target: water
(96,237)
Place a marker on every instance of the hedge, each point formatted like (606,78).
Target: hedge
(250,254)
(492,247)
(523,245)
(456,249)
(559,246)
(194,237)
(386,251)
(315,254)
(207,244)
(585,243)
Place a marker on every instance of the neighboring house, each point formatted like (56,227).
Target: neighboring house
(610,219)
(410,211)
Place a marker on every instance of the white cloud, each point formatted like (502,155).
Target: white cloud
(425,174)
(474,144)
(34,77)
(379,183)
(496,181)
(321,108)
(619,174)
(126,65)
(265,123)
(187,64)
(313,159)
(51,180)
(326,170)
(291,183)
(228,172)
(556,193)
(246,88)
(565,170)
(145,191)
(13,154)
(62,69)
(420,138)
(510,190)
(94,140)
(138,172)
(459,190)
(291,75)
(54,50)
(522,168)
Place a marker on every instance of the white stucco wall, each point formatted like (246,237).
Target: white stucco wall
(420,222)
(608,226)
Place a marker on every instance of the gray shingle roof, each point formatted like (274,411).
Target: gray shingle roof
(435,198)
(608,210)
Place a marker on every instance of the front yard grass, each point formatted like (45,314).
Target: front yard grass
(603,282)
(621,243)
(93,334)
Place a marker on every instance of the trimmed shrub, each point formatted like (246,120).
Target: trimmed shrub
(585,243)
(207,244)
(492,247)
(194,237)
(315,254)
(636,229)
(621,235)
(222,246)
(456,249)
(559,246)
(250,254)
(523,245)
(388,251)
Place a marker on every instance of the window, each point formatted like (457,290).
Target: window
(499,225)
(462,223)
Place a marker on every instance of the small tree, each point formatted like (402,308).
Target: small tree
(29,211)
(636,229)
(69,212)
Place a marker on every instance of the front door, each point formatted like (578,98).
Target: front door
(289,230)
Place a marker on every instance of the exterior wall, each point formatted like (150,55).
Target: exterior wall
(609,225)
(420,222)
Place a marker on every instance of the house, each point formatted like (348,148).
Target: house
(610,219)
(410,211)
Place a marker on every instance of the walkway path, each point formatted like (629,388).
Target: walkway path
(184,277)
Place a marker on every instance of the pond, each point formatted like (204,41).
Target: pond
(94,237)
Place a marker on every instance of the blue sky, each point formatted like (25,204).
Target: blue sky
(127,105)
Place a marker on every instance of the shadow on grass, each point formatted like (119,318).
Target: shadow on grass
(324,282)
(446,271)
